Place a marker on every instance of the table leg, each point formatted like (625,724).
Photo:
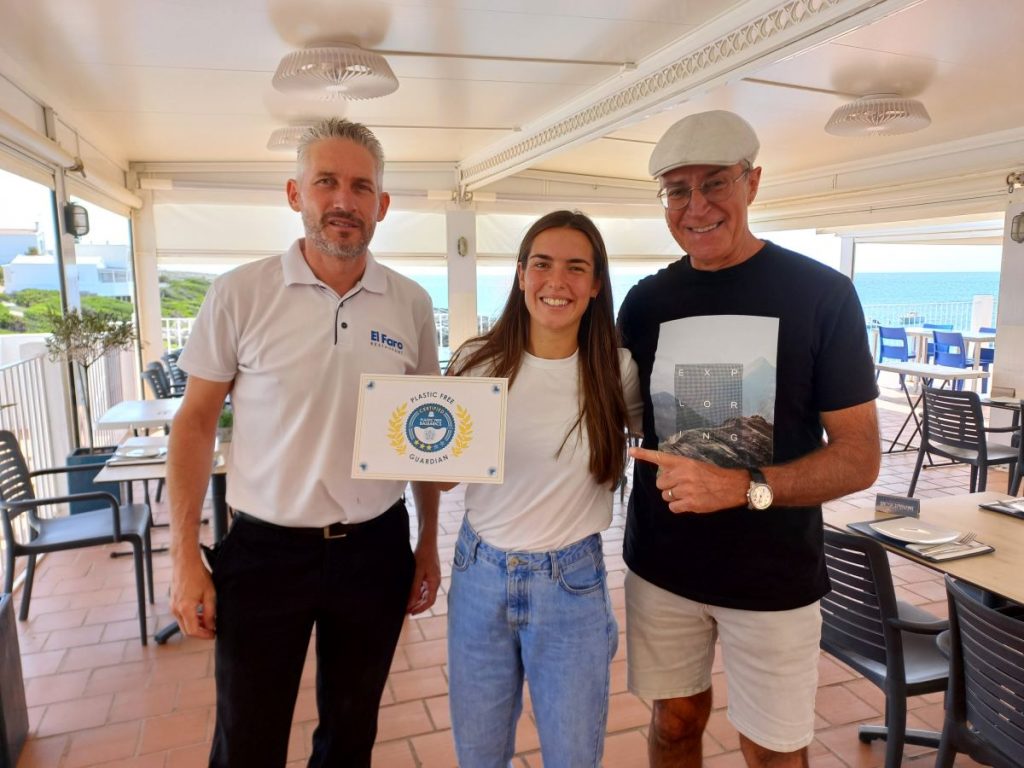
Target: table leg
(218,500)
(921,349)
(976,356)
(912,415)
(166,633)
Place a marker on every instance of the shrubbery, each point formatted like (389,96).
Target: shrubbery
(178,298)
(182,297)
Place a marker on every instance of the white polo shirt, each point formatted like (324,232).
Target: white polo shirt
(295,350)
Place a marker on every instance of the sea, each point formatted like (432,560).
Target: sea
(888,298)
(874,288)
(924,287)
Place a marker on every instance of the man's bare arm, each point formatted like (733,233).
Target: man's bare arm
(189,460)
(848,462)
(427,578)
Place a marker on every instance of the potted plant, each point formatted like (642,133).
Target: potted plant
(81,338)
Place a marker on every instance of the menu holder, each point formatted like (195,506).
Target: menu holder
(218,461)
(127,461)
(1011,507)
(932,552)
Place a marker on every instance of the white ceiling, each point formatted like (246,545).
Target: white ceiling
(158,82)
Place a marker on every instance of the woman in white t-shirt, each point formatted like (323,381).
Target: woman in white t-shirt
(529,597)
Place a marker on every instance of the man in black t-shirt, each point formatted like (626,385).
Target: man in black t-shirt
(749,354)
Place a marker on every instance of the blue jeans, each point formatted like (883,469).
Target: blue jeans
(543,616)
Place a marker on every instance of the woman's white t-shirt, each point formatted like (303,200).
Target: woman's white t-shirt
(549,499)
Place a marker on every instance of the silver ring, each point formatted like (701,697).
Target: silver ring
(671,495)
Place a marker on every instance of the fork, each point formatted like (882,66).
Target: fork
(967,537)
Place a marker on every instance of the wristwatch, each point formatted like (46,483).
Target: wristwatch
(759,494)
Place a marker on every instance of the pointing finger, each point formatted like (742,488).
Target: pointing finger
(645,454)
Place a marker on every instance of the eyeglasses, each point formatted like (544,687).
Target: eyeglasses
(716,190)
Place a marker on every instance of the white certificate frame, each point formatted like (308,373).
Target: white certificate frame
(433,428)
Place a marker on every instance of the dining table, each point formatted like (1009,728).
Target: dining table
(928,373)
(151,464)
(1012,404)
(1000,572)
(140,414)
(976,340)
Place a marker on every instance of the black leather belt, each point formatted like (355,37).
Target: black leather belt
(332,531)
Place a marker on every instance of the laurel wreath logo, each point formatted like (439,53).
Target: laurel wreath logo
(464,436)
(396,435)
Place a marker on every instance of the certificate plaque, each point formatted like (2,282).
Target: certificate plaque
(444,428)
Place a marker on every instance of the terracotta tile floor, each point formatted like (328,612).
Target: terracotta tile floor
(97,697)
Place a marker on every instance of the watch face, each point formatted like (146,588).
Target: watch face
(760,496)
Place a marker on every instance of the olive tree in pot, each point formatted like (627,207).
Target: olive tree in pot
(80,339)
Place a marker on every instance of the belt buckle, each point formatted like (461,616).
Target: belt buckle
(329,535)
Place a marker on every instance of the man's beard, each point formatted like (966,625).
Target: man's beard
(315,233)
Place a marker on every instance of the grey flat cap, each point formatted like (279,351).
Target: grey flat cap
(706,138)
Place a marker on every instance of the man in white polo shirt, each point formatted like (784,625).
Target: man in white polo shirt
(288,337)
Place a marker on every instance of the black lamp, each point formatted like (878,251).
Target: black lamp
(76,219)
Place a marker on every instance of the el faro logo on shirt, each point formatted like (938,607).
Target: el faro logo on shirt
(382,340)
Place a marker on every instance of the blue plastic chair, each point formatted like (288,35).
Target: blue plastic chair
(893,345)
(951,351)
(931,345)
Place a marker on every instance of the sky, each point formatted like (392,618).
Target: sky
(879,257)
(872,257)
(24,203)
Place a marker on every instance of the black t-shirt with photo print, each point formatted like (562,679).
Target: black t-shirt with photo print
(736,367)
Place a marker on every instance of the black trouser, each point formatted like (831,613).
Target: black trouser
(273,585)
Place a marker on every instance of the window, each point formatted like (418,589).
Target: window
(903,284)
(434,280)
(28,257)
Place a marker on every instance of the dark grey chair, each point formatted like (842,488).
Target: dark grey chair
(985,700)
(953,427)
(156,376)
(130,522)
(162,388)
(890,642)
(177,376)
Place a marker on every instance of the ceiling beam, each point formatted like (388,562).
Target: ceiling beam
(748,37)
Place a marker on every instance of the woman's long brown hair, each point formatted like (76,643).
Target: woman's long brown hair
(499,352)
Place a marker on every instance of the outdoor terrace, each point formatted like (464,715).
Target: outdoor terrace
(98,698)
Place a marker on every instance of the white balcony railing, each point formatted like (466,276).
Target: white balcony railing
(175,331)
(962,315)
(24,411)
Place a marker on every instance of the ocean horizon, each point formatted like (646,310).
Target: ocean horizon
(873,288)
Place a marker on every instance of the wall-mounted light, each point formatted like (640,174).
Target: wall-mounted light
(1017,228)
(462,246)
(76,219)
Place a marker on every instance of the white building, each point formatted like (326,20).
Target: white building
(102,271)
